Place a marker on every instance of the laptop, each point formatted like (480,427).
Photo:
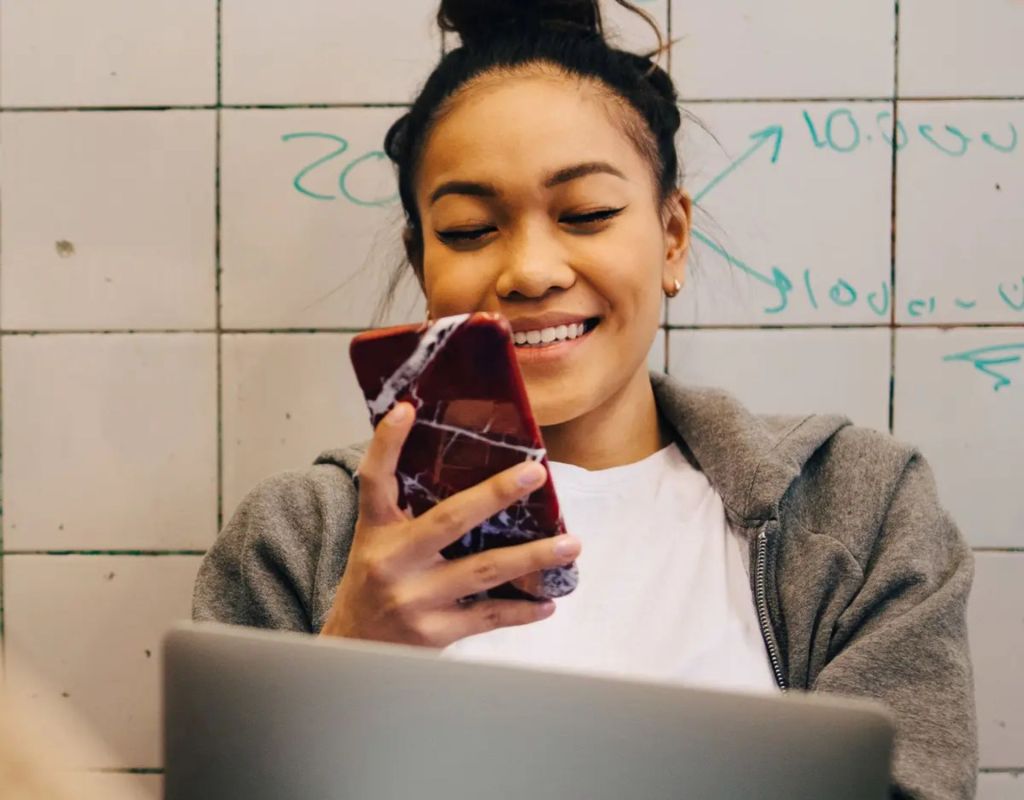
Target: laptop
(283,716)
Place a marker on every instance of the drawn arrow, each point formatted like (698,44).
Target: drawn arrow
(773,133)
(985,358)
(777,280)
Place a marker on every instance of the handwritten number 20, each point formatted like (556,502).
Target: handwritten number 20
(342,146)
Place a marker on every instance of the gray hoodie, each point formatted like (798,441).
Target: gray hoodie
(859,576)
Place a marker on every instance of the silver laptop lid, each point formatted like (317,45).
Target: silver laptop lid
(267,716)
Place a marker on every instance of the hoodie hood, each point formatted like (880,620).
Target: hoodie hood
(750,459)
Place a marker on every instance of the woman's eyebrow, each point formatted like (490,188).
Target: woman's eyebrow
(563,175)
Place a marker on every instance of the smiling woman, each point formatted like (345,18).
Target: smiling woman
(539,178)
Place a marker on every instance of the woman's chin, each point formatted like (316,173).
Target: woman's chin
(556,399)
(551,413)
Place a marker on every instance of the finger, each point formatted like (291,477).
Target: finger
(482,571)
(453,517)
(487,615)
(378,486)
(532,584)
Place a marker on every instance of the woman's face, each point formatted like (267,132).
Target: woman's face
(536,205)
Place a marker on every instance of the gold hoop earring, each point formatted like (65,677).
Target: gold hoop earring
(676,286)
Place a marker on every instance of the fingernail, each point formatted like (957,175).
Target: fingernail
(545,607)
(530,474)
(399,414)
(564,546)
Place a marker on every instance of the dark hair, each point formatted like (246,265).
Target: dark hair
(501,35)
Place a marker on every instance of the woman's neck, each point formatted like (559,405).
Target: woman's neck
(624,429)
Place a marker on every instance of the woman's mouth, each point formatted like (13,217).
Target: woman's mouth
(563,341)
(550,337)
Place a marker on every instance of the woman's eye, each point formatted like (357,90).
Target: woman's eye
(474,234)
(464,236)
(593,216)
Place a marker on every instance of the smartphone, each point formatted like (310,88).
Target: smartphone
(473,420)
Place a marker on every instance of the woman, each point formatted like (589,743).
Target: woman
(539,178)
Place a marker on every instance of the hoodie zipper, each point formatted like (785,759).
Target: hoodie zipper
(761,601)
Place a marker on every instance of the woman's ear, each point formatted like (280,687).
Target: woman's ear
(676,220)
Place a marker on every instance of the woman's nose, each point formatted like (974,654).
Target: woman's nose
(534,264)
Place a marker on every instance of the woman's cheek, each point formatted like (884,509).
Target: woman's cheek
(454,292)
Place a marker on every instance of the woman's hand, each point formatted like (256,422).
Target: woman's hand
(397,587)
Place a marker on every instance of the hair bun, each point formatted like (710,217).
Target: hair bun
(478,21)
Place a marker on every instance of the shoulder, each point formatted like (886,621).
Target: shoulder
(299,511)
(862,457)
(299,496)
(847,488)
(278,558)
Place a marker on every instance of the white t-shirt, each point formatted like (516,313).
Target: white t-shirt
(663,592)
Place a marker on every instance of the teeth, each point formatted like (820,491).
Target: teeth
(547,335)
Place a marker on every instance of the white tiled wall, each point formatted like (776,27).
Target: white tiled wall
(108,53)
(90,626)
(108,220)
(110,441)
(309,51)
(287,397)
(838,371)
(181,273)
(1001,786)
(300,246)
(944,192)
(789,48)
(965,426)
(954,48)
(996,625)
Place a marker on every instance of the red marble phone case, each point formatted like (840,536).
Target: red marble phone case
(473,420)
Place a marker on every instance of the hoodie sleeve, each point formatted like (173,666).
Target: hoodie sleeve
(277,562)
(903,640)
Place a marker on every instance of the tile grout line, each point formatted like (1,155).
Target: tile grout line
(3,563)
(892,211)
(854,99)
(369,104)
(201,107)
(987,549)
(284,331)
(217,275)
(3,590)
(87,552)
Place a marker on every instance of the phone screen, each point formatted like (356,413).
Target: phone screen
(473,420)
